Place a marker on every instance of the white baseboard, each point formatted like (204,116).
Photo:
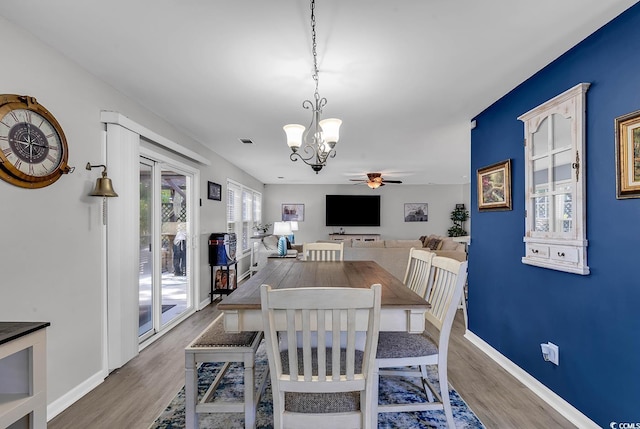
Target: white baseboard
(549,396)
(66,400)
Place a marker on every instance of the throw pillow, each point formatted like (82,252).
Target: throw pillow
(433,243)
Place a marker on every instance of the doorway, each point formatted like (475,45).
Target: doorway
(165,247)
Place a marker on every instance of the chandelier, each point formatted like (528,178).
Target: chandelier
(317,143)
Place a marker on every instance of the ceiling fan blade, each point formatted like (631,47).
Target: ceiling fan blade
(357,180)
(391,181)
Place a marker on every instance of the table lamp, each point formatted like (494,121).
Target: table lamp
(294,227)
(282,229)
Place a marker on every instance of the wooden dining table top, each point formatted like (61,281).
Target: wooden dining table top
(292,273)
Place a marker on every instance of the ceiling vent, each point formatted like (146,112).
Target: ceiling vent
(246,141)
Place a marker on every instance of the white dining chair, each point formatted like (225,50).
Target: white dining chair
(399,350)
(323,251)
(418,270)
(315,385)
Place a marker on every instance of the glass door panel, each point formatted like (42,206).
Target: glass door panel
(145,304)
(174,237)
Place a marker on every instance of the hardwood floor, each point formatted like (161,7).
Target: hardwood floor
(133,396)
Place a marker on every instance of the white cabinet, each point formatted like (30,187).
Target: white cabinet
(23,376)
(357,237)
(555,228)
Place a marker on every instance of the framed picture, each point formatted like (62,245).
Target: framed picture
(416,212)
(293,212)
(214,191)
(628,155)
(222,282)
(494,187)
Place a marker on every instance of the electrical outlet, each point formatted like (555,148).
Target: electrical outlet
(550,353)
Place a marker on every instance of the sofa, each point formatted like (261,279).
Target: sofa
(393,255)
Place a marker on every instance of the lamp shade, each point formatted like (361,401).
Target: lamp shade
(294,135)
(331,130)
(281,228)
(294,225)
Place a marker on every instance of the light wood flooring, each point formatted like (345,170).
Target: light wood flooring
(133,396)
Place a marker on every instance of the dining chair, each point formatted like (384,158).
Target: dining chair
(323,251)
(418,270)
(399,350)
(315,385)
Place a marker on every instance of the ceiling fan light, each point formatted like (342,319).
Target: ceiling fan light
(374,184)
(331,130)
(294,135)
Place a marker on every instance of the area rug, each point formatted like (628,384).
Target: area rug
(397,389)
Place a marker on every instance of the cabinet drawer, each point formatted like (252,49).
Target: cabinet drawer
(563,253)
(537,251)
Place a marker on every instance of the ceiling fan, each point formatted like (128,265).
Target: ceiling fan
(375,180)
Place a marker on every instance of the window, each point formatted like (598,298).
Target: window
(555,235)
(244,211)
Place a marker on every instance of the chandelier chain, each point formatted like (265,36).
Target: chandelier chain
(314,46)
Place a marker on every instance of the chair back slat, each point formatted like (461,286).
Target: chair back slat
(323,251)
(418,271)
(448,277)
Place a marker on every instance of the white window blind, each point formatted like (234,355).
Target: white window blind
(244,211)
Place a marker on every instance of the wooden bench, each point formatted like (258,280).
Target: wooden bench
(215,345)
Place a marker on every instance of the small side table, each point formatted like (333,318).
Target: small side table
(231,285)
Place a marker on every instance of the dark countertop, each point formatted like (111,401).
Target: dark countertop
(10,331)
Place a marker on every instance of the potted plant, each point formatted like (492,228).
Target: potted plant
(459,215)
(262,229)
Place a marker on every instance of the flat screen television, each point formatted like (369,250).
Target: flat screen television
(353,210)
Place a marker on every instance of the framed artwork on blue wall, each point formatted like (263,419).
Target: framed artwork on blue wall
(494,186)
(628,155)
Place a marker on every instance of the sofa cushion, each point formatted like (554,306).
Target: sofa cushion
(403,243)
(367,244)
(449,244)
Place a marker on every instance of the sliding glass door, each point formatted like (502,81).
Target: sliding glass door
(165,277)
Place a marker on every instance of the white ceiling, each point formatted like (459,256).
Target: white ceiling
(405,76)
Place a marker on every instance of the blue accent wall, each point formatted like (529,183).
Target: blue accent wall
(594,319)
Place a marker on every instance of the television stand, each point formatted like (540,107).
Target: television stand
(357,237)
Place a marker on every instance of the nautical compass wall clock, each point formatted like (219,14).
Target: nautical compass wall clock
(33,148)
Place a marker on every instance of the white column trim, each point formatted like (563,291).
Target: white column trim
(123,232)
(549,396)
(110,117)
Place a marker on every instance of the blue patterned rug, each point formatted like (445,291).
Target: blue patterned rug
(397,389)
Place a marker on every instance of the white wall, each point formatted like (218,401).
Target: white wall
(52,237)
(440,198)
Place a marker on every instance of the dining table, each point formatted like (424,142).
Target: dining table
(401,308)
